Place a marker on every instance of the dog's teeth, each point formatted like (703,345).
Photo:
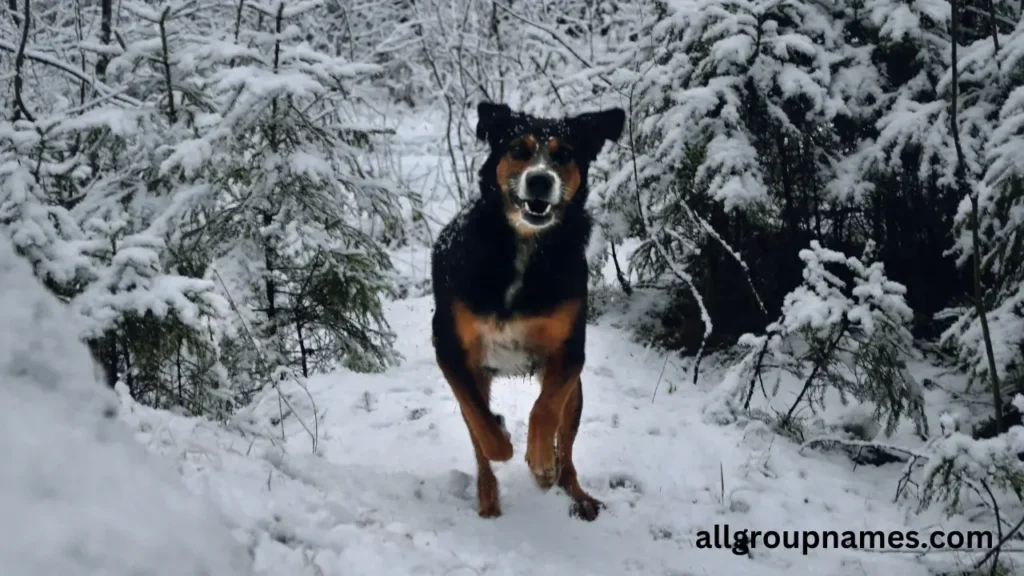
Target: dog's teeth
(547,209)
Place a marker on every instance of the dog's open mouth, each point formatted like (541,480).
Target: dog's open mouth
(537,208)
(536,212)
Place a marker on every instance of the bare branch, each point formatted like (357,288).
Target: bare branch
(19,64)
(64,67)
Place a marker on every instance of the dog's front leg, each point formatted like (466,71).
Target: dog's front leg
(559,380)
(457,344)
(488,501)
(584,505)
(473,392)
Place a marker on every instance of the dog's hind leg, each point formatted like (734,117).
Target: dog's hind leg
(584,505)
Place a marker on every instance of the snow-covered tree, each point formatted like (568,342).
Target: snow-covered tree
(84,204)
(734,108)
(290,205)
(217,215)
(992,70)
(844,331)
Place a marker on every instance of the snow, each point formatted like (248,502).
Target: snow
(390,487)
(79,497)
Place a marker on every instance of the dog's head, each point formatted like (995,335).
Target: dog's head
(539,166)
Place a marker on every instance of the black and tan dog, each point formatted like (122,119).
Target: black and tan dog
(510,290)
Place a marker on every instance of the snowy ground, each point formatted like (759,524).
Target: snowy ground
(389,489)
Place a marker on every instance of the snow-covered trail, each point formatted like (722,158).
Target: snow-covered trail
(391,489)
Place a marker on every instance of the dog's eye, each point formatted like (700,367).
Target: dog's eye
(519,152)
(562,155)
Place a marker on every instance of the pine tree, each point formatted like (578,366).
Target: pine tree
(294,212)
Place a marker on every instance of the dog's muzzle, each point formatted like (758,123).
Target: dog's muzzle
(539,192)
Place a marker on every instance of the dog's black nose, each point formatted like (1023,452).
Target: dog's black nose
(539,185)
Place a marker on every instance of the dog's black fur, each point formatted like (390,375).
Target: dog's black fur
(474,264)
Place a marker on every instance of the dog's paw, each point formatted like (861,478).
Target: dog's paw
(491,510)
(500,451)
(545,477)
(488,500)
(586,508)
(544,474)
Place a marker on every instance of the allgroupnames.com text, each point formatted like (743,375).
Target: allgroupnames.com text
(742,541)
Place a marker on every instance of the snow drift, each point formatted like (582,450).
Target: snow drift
(78,495)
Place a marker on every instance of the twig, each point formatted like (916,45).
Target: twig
(999,524)
(682,275)
(822,360)
(961,180)
(558,38)
(623,281)
(663,365)
(735,255)
(19,62)
(79,75)
(171,113)
(908,471)
(259,354)
(756,375)
(999,545)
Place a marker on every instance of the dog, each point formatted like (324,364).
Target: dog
(509,276)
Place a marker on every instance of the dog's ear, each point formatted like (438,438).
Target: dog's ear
(595,128)
(492,120)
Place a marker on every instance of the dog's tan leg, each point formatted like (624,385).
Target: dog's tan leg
(584,505)
(488,502)
(558,382)
(485,428)
(461,368)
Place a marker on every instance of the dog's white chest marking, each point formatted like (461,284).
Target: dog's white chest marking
(505,349)
(505,352)
(523,252)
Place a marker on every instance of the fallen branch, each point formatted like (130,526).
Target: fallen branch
(904,453)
